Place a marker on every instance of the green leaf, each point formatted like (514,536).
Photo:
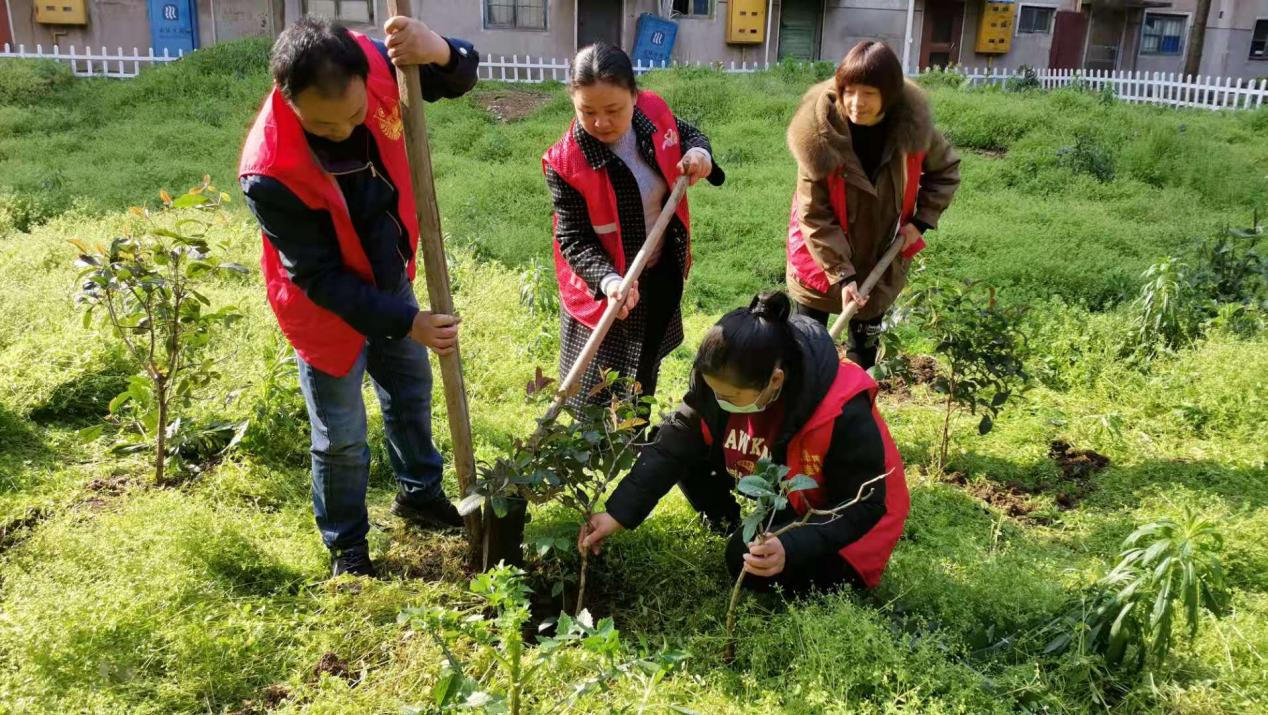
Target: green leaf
(189,201)
(985,425)
(752,523)
(235,268)
(444,689)
(755,486)
(119,401)
(91,434)
(800,483)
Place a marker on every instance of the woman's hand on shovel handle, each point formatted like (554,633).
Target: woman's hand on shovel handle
(613,291)
(696,164)
(910,235)
(850,294)
(593,532)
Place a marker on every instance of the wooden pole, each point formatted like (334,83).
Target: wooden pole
(592,345)
(437,272)
(843,319)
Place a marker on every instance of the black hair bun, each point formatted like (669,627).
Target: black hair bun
(771,305)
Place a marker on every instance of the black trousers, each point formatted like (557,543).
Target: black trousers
(660,289)
(710,494)
(864,335)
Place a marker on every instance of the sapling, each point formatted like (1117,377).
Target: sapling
(500,638)
(574,461)
(769,488)
(982,346)
(145,288)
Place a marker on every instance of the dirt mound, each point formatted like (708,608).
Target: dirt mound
(1076,463)
(1007,498)
(914,370)
(511,105)
(330,664)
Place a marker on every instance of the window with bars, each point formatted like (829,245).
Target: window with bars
(515,14)
(1259,41)
(358,11)
(693,8)
(1162,34)
(1035,20)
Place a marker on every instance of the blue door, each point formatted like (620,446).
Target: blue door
(173,26)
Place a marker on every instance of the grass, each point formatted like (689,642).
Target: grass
(117,597)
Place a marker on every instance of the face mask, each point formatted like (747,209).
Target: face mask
(746,409)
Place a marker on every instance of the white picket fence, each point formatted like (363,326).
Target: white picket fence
(1162,88)
(542,69)
(87,63)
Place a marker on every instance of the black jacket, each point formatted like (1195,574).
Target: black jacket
(305,238)
(855,455)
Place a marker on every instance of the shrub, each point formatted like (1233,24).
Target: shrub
(23,81)
(144,289)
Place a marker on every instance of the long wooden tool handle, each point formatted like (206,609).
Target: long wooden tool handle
(591,348)
(872,278)
(437,271)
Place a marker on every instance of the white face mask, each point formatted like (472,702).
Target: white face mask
(747,409)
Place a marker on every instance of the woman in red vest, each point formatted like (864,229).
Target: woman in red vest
(869,162)
(770,385)
(609,177)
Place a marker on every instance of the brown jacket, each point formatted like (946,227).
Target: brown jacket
(819,138)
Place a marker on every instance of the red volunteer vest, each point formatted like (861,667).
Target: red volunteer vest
(808,272)
(276,148)
(567,160)
(806,451)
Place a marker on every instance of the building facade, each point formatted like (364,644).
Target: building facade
(1145,35)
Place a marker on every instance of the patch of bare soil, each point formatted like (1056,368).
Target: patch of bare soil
(511,105)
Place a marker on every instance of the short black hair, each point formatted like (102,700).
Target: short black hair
(316,53)
(747,344)
(872,63)
(602,62)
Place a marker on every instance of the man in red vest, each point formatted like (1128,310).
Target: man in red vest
(325,172)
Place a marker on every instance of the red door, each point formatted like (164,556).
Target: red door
(6,32)
(940,39)
(1068,35)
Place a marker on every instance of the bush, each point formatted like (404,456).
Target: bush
(23,81)
(1086,156)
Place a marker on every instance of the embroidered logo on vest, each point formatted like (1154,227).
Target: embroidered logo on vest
(811,464)
(671,138)
(390,122)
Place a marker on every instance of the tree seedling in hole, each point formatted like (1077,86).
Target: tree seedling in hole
(982,346)
(516,667)
(145,289)
(768,489)
(573,461)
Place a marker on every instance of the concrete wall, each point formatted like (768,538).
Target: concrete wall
(703,39)
(1227,48)
(124,23)
(850,21)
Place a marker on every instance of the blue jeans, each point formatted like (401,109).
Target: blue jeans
(401,375)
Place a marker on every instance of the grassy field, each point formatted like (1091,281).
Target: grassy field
(116,596)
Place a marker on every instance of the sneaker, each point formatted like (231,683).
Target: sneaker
(354,560)
(438,513)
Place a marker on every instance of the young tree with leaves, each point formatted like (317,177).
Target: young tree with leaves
(146,288)
(981,344)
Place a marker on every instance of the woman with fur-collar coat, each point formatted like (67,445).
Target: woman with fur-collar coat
(869,163)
